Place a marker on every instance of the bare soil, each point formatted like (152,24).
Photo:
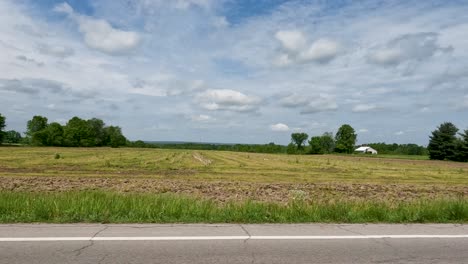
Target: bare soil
(237,191)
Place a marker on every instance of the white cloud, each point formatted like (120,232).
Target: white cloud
(280,127)
(363,130)
(399,133)
(322,50)
(202,118)
(359,108)
(408,47)
(310,104)
(100,35)
(296,48)
(226,99)
(292,40)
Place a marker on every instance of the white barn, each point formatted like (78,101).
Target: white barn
(366,149)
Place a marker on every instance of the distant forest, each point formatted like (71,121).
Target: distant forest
(445,143)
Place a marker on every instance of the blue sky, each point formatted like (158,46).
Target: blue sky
(237,71)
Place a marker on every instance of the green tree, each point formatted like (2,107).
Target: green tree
(443,142)
(39,138)
(77,133)
(327,142)
(298,139)
(54,135)
(12,137)
(291,149)
(97,132)
(2,127)
(114,137)
(36,124)
(461,148)
(316,145)
(345,139)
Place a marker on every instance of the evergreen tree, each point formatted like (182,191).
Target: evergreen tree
(443,142)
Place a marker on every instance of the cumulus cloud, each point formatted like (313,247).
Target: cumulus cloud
(292,40)
(310,104)
(296,48)
(280,127)
(359,108)
(226,99)
(408,47)
(99,34)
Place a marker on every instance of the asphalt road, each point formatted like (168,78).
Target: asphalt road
(309,243)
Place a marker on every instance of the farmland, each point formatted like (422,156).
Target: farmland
(224,178)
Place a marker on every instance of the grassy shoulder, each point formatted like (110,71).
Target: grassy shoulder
(109,207)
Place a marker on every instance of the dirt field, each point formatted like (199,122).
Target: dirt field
(228,175)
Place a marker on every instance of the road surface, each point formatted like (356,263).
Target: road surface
(307,243)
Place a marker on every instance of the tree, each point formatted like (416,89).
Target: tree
(443,142)
(36,124)
(298,139)
(316,145)
(12,137)
(54,135)
(327,142)
(114,136)
(291,149)
(77,133)
(2,127)
(461,148)
(97,131)
(345,139)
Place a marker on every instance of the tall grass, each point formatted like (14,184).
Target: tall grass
(105,207)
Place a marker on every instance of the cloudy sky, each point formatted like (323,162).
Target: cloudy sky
(247,71)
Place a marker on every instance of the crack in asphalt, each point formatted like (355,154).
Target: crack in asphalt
(247,232)
(252,253)
(342,227)
(91,242)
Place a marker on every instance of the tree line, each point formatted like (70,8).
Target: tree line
(344,141)
(446,143)
(76,133)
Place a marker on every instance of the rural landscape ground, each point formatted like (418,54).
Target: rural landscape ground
(210,185)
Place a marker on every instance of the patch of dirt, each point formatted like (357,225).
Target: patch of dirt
(228,191)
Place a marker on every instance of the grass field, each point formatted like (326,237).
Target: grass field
(226,178)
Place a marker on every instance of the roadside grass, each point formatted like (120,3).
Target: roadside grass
(109,207)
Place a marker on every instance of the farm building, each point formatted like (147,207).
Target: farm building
(366,149)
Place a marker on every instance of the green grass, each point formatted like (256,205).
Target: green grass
(74,207)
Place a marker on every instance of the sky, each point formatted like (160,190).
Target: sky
(241,71)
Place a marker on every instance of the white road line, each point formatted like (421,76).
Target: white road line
(194,238)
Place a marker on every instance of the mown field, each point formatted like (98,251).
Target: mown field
(215,179)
